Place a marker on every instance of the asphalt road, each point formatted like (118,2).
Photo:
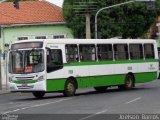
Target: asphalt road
(86,105)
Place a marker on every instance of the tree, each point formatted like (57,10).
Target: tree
(129,21)
(74,21)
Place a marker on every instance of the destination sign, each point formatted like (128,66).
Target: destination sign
(26,45)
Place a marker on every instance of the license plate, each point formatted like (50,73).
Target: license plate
(24,85)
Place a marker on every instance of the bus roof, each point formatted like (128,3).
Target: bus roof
(88,41)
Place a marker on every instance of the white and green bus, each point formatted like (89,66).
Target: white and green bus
(64,65)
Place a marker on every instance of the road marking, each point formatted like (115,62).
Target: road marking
(90,116)
(38,105)
(16,106)
(133,100)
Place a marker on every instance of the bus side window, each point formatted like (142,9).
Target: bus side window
(149,51)
(136,51)
(87,52)
(71,53)
(104,52)
(54,60)
(121,51)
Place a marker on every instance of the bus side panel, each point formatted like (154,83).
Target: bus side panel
(108,80)
(145,77)
(55,80)
(147,72)
(94,81)
(81,73)
(102,74)
(84,82)
(55,84)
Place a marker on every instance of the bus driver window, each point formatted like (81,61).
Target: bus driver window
(54,60)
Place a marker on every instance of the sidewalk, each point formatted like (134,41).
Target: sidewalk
(4,90)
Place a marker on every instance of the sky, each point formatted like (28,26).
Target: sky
(56,2)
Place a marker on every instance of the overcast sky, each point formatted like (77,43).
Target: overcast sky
(56,2)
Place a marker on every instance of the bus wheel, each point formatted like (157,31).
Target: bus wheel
(38,94)
(129,83)
(70,88)
(101,89)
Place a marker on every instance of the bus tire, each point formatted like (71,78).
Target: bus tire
(129,83)
(101,89)
(38,94)
(70,88)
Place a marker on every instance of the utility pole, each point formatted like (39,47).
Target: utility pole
(85,7)
(88,28)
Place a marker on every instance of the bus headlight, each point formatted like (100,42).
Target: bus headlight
(41,78)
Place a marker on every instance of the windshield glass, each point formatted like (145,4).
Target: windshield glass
(26,61)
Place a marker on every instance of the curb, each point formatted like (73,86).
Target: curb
(4,91)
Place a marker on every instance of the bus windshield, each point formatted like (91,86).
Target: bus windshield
(26,61)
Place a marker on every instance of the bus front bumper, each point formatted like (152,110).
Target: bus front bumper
(38,86)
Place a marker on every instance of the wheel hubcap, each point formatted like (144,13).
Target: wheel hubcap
(70,88)
(129,83)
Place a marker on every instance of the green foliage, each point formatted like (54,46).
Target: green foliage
(132,20)
(75,22)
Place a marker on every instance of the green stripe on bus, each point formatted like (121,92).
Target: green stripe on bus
(105,80)
(145,77)
(55,84)
(25,81)
(109,62)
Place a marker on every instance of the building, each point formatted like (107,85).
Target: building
(33,20)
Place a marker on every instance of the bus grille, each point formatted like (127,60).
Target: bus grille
(25,87)
(25,78)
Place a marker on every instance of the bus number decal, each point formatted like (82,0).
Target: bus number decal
(70,72)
